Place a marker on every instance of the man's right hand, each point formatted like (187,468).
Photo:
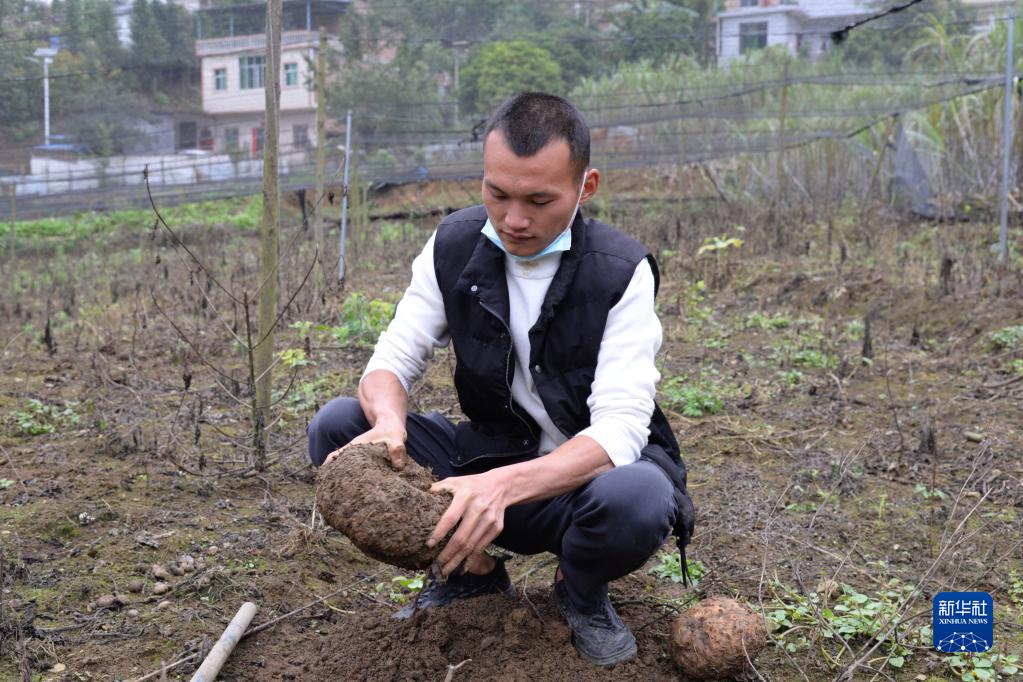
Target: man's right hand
(390,433)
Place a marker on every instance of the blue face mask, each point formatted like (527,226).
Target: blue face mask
(563,242)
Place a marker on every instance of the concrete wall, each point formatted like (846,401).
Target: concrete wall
(59,176)
(247,124)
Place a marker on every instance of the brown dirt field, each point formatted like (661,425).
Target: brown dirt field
(822,477)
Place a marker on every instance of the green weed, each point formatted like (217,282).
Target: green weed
(691,399)
(669,567)
(1007,338)
(39,418)
(292,358)
(761,321)
(986,666)
(792,377)
(403,591)
(362,320)
(854,329)
(929,493)
(798,620)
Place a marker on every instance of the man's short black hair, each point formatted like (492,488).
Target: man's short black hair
(530,120)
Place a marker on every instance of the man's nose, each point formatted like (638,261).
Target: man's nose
(516,218)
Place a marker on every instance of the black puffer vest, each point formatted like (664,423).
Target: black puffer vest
(564,344)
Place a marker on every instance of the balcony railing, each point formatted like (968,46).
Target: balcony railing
(229,44)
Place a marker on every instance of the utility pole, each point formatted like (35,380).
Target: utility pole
(458,48)
(321,151)
(46,54)
(1003,230)
(344,200)
(263,351)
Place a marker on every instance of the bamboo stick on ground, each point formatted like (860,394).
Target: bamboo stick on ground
(209,669)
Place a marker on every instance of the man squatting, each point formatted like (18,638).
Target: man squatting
(552,320)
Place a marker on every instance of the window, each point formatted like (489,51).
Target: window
(231,139)
(220,79)
(291,73)
(252,72)
(749,3)
(752,36)
(300,135)
(188,135)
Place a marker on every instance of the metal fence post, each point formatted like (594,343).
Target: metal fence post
(1003,230)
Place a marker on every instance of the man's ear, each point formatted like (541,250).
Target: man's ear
(590,185)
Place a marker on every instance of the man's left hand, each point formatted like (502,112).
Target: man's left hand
(478,503)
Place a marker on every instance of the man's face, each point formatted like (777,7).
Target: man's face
(531,199)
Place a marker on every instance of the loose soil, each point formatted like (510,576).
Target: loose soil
(122,445)
(387,514)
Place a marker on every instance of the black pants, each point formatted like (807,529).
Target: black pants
(603,530)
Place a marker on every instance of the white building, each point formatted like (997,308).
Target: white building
(232,53)
(804,26)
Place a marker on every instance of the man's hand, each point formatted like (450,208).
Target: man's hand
(479,503)
(389,432)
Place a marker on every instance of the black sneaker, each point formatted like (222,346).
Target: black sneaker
(601,638)
(461,586)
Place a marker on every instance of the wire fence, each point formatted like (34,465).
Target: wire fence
(927,139)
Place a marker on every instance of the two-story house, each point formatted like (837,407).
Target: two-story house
(231,46)
(804,26)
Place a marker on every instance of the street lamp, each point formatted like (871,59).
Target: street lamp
(46,54)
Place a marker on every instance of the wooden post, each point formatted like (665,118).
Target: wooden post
(321,152)
(269,234)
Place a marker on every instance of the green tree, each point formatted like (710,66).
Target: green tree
(654,29)
(891,42)
(74,26)
(499,70)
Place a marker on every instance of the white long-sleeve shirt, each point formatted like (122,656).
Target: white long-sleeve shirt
(621,401)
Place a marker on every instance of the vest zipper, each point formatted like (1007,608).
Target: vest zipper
(507,368)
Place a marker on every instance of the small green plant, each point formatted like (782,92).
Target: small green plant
(1016,367)
(854,329)
(293,358)
(792,377)
(798,620)
(717,244)
(761,321)
(881,501)
(692,303)
(929,493)
(1016,589)
(39,418)
(813,358)
(714,343)
(691,399)
(362,320)
(403,590)
(987,666)
(303,327)
(669,567)
(1007,338)
(5,483)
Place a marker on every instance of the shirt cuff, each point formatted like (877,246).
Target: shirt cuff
(612,435)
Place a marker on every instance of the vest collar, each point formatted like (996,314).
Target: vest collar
(483,276)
